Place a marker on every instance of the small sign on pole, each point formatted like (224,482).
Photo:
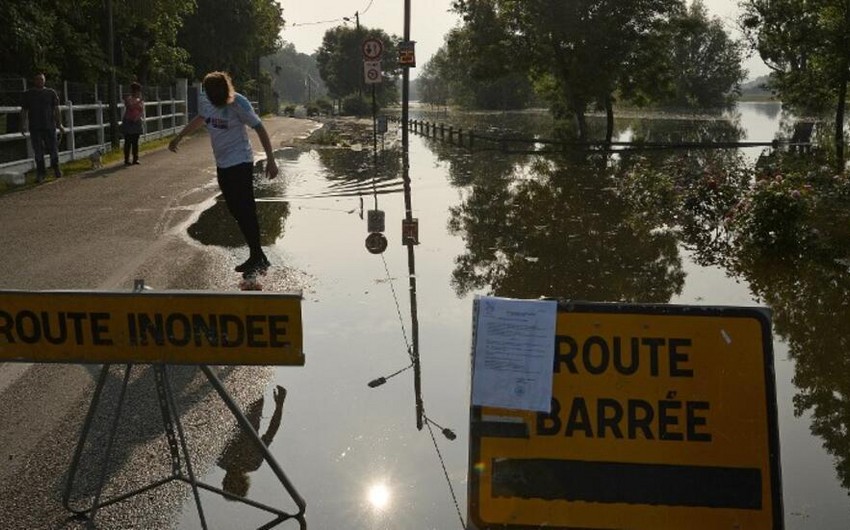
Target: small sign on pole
(407,54)
(372,72)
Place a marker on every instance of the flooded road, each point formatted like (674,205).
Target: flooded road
(507,225)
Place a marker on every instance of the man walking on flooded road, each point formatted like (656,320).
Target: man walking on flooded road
(226,113)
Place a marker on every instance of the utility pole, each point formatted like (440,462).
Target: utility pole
(360,72)
(408,216)
(113,85)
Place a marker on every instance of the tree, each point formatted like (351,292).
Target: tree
(232,35)
(806,43)
(432,84)
(576,50)
(295,76)
(340,60)
(68,39)
(705,63)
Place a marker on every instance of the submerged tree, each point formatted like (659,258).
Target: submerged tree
(584,54)
(806,44)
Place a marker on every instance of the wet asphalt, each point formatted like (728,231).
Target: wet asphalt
(101,230)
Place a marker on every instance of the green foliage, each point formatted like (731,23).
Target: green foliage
(325,106)
(295,76)
(704,62)
(231,35)
(354,105)
(69,39)
(340,60)
(807,45)
(694,194)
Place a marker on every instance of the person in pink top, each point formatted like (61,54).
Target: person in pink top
(132,123)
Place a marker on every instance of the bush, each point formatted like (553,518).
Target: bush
(289,110)
(355,105)
(324,106)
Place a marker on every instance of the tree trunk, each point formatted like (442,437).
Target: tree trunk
(609,117)
(581,123)
(839,118)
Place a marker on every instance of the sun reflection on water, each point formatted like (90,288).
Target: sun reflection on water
(379,496)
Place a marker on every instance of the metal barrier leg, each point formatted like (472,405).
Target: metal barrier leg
(105,469)
(175,415)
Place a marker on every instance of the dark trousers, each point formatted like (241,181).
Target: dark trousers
(44,141)
(237,186)
(131,141)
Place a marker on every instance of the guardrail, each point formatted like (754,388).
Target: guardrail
(85,133)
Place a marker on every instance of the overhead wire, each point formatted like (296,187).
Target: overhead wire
(330,21)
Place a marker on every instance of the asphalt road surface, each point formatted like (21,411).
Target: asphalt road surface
(101,230)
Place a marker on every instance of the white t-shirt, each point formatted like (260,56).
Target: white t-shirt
(226,126)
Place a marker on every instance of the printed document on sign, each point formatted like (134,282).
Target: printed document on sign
(513,352)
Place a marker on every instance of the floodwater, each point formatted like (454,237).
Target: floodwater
(354,453)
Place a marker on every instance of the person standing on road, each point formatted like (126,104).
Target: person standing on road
(41,116)
(132,122)
(226,113)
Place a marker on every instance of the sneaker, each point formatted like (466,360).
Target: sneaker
(253,264)
(135,162)
(126,162)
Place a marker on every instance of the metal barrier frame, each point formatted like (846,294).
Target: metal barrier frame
(179,451)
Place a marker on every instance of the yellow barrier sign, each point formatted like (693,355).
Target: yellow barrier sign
(171,327)
(662,417)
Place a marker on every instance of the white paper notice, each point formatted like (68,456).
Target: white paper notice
(513,353)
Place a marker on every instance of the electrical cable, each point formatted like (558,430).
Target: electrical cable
(445,472)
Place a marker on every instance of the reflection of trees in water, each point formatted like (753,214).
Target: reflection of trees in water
(786,235)
(690,130)
(769,110)
(556,228)
(810,300)
(352,172)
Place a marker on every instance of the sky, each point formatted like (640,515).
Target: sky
(430,20)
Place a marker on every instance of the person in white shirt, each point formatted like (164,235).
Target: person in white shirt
(226,113)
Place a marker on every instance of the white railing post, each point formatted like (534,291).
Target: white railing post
(72,144)
(183,95)
(173,109)
(101,133)
(159,114)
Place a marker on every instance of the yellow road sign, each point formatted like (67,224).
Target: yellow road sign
(173,327)
(662,417)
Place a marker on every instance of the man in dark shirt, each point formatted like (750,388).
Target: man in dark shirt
(40,115)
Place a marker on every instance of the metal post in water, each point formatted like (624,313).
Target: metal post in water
(408,215)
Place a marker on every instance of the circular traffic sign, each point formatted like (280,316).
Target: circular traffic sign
(376,243)
(372,49)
